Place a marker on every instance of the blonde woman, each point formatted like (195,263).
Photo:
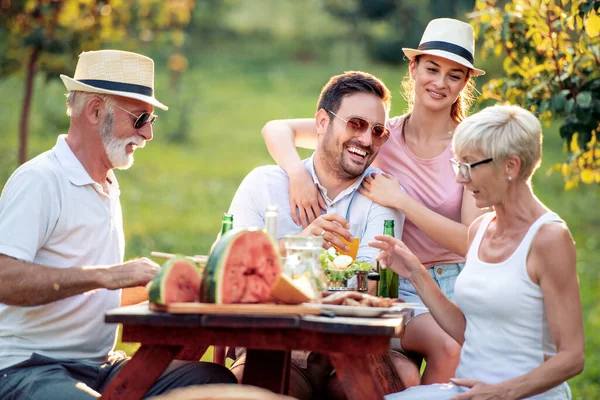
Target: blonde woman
(518,310)
(438,211)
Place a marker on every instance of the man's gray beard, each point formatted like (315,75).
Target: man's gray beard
(114,147)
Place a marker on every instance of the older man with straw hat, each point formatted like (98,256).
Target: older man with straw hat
(62,242)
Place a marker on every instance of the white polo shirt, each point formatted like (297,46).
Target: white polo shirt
(269,185)
(53,214)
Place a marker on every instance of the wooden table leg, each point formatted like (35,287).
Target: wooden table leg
(191,353)
(220,352)
(140,373)
(386,373)
(267,369)
(356,377)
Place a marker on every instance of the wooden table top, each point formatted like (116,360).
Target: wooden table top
(140,314)
(357,347)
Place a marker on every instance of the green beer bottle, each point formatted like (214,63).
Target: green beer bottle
(226,226)
(227,223)
(388,281)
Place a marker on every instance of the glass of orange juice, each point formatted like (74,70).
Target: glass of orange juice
(355,230)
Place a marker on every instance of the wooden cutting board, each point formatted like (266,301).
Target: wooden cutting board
(254,309)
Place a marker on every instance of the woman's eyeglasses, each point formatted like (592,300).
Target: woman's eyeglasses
(465,168)
(356,126)
(142,119)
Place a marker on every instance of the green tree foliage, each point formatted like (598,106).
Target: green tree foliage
(383,27)
(46,36)
(551,51)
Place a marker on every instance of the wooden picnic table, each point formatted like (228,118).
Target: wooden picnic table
(357,347)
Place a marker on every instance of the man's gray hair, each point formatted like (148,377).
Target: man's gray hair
(76,100)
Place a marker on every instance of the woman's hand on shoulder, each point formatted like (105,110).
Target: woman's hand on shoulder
(481,391)
(306,202)
(395,255)
(384,190)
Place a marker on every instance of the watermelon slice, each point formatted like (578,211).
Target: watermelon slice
(242,268)
(179,280)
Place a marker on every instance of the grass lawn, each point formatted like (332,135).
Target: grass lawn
(183,181)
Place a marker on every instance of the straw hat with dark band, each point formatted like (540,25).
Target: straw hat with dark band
(448,38)
(115,72)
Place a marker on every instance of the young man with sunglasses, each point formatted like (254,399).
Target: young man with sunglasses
(62,242)
(350,120)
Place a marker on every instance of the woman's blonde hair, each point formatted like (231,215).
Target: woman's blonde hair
(460,108)
(501,131)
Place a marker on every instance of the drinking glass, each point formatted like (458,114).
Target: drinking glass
(356,231)
(302,259)
(353,283)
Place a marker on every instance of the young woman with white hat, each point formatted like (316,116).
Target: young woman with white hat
(438,211)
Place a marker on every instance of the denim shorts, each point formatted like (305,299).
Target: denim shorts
(444,276)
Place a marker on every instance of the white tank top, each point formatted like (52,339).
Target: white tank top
(507,333)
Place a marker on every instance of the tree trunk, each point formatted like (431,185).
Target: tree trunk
(24,126)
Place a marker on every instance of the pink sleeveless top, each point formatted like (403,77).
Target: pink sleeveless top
(431,182)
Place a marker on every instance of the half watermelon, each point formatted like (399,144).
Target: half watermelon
(242,268)
(179,280)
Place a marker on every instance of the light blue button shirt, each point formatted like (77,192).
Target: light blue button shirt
(269,185)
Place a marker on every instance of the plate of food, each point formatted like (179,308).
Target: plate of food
(339,269)
(355,304)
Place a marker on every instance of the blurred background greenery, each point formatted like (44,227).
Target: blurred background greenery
(225,71)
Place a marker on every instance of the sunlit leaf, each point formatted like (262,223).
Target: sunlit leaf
(574,147)
(587,176)
(572,183)
(565,170)
(592,25)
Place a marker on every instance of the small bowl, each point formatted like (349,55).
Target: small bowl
(360,283)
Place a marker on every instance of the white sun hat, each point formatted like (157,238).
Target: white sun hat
(448,38)
(115,72)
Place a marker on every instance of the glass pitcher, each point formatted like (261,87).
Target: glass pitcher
(302,258)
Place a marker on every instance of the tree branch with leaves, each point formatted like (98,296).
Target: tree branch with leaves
(551,59)
(46,36)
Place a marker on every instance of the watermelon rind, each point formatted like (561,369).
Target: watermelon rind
(156,287)
(215,266)
(213,272)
